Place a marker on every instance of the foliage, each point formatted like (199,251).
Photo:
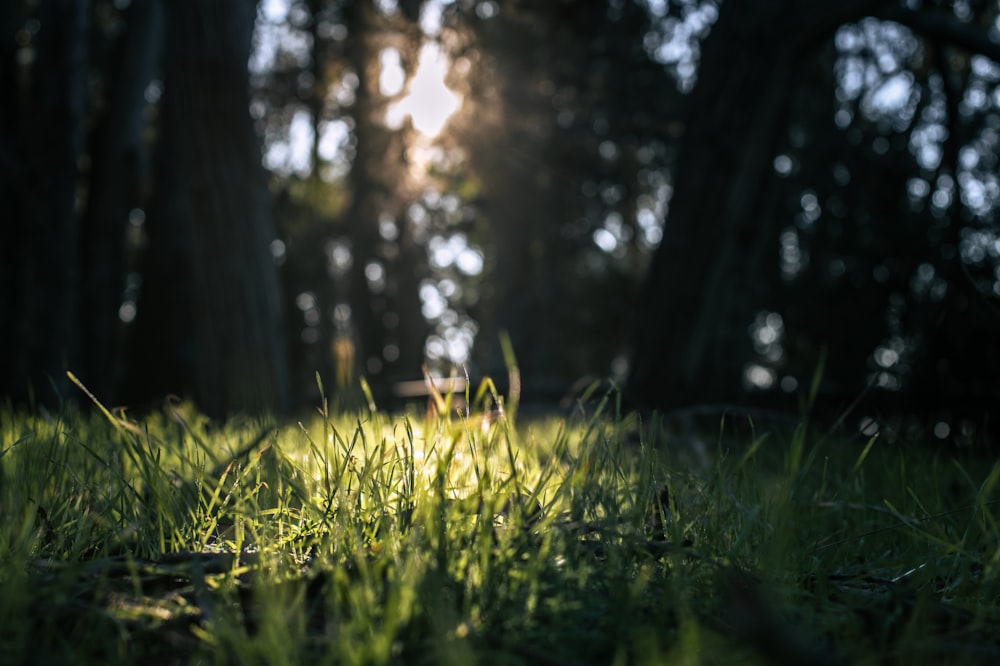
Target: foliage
(464,537)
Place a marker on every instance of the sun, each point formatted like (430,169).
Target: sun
(429,103)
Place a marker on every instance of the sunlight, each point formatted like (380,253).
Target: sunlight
(392,78)
(429,102)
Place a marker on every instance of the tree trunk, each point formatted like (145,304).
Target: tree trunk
(530,194)
(371,144)
(697,298)
(704,282)
(240,355)
(161,345)
(377,183)
(114,185)
(11,183)
(41,290)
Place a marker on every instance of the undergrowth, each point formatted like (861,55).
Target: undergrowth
(476,537)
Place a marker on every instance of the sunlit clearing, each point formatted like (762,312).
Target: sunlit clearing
(429,102)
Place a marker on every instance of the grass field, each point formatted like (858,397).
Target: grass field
(591,538)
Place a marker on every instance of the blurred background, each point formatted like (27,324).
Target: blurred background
(704,202)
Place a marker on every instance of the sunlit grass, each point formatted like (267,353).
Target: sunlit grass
(471,536)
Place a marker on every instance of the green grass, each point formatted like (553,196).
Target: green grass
(370,538)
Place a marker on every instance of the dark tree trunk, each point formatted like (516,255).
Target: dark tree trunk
(377,183)
(161,345)
(700,293)
(114,183)
(703,284)
(698,297)
(530,192)
(371,143)
(41,282)
(240,355)
(11,183)
(411,329)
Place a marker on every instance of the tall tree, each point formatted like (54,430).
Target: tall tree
(43,128)
(221,194)
(384,276)
(703,286)
(11,182)
(116,161)
(565,128)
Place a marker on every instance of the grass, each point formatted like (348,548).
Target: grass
(593,539)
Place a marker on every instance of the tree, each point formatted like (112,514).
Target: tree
(82,80)
(354,265)
(385,275)
(116,156)
(43,141)
(565,130)
(220,203)
(706,280)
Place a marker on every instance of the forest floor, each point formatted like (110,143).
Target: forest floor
(584,539)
